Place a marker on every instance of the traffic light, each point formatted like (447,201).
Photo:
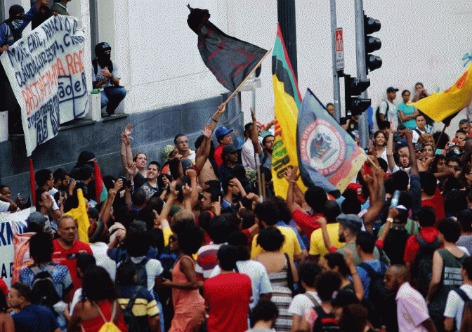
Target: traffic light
(353,87)
(372,44)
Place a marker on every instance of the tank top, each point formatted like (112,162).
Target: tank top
(185,299)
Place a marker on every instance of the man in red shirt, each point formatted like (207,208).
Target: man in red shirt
(227,295)
(316,199)
(426,219)
(431,196)
(66,248)
(223,136)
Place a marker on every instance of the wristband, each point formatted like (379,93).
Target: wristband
(390,219)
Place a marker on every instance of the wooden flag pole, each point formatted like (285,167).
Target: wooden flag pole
(246,78)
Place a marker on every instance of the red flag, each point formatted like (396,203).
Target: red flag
(100,191)
(32,183)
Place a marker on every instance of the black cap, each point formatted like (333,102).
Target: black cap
(391,89)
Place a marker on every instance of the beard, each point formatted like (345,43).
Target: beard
(105,61)
(341,238)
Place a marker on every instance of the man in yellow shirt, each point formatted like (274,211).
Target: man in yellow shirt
(317,247)
(267,214)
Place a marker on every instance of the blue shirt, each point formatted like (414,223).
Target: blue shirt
(378,267)
(34,318)
(408,110)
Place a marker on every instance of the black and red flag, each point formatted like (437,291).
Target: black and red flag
(228,58)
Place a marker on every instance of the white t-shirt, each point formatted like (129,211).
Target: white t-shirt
(392,112)
(455,304)
(153,269)
(301,302)
(4,206)
(99,250)
(247,154)
(259,278)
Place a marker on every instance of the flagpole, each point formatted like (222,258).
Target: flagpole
(246,78)
(440,136)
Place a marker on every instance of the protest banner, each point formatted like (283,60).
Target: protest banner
(10,224)
(47,75)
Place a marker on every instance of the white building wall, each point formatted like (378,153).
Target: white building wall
(422,40)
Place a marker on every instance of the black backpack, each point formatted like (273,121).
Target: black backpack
(325,322)
(43,290)
(422,266)
(377,113)
(377,295)
(132,322)
(140,270)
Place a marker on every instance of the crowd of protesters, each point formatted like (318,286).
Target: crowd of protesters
(198,244)
(203,243)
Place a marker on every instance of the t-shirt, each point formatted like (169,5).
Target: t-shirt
(291,246)
(408,110)
(437,203)
(35,318)
(69,258)
(378,267)
(352,247)
(466,242)
(150,190)
(307,222)
(4,206)
(153,269)
(317,246)
(259,278)
(144,305)
(455,304)
(224,294)
(247,154)
(411,309)
(218,154)
(60,277)
(302,302)
(99,250)
(392,112)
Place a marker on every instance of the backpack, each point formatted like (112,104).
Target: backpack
(464,298)
(325,322)
(377,295)
(108,326)
(377,113)
(422,267)
(130,319)
(140,270)
(43,290)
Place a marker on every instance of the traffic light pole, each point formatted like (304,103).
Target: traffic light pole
(361,70)
(336,93)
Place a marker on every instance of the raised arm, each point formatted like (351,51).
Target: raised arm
(125,151)
(255,134)
(203,151)
(376,194)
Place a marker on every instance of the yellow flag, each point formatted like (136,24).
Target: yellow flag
(287,102)
(441,105)
(80,215)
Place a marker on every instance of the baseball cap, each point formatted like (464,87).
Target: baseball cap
(36,218)
(352,221)
(391,89)
(229,149)
(220,132)
(400,144)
